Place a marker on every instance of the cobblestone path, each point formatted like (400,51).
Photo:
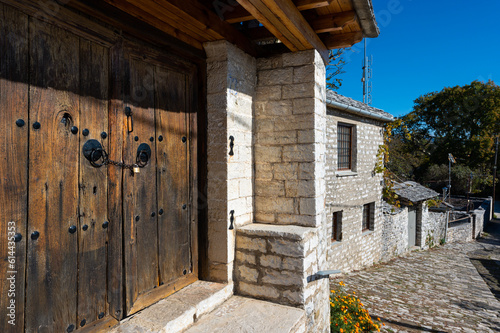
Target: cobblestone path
(439,290)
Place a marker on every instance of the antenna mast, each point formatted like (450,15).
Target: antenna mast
(367,76)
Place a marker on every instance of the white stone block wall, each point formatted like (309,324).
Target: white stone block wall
(435,223)
(395,233)
(231,80)
(349,193)
(460,233)
(290,139)
(479,215)
(290,152)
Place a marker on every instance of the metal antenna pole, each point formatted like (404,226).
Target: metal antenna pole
(364,75)
(495,169)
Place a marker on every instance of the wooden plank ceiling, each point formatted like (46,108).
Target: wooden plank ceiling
(258,27)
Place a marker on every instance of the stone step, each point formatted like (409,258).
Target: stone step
(179,311)
(247,315)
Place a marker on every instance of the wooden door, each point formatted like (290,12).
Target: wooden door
(54,97)
(159,223)
(87,245)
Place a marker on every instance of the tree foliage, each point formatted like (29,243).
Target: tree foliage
(461,120)
(335,68)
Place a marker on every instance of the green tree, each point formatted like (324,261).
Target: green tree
(458,120)
(462,120)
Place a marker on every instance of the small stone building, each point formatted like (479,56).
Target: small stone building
(353,189)
(413,224)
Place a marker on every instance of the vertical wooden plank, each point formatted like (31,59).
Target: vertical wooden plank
(192,108)
(140,210)
(52,270)
(116,121)
(92,255)
(14,62)
(173,176)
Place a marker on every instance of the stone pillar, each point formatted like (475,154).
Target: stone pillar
(231,79)
(278,257)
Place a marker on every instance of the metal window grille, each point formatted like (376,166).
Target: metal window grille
(344,147)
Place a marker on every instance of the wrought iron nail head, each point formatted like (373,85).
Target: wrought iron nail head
(20,123)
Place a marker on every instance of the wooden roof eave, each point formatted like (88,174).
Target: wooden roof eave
(284,20)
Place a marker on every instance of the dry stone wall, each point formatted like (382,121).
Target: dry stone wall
(395,232)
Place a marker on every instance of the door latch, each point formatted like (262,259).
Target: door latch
(97,156)
(130,120)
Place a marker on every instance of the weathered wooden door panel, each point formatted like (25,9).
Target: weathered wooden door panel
(14,89)
(93,205)
(80,223)
(174,230)
(139,203)
(158,200)
(53,173)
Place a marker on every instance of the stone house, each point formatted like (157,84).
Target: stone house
(415,225)
(412,225)
(353,189)
(163,156)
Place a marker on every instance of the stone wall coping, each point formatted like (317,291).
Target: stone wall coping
(271,230)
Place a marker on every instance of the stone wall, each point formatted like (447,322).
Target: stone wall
(460,233)
(349,191)
(231,81)
(436,224)
(430,226)
(395,232)
(290,139)
(478,217)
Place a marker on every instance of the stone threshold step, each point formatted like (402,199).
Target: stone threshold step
(247,315)
(178,311)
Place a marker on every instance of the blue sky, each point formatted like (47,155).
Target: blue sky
(425,46)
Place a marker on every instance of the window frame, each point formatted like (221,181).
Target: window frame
(337,226)
(349,147)
(368,217)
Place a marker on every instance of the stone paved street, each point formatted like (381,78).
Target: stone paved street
(439,290)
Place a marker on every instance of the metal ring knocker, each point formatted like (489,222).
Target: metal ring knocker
(93,152)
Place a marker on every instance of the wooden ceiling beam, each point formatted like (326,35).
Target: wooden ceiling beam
(190,16)
(238,14)
(332,22)
(342,40)
(164,20)
(321,24)
(284,20)
(264,15)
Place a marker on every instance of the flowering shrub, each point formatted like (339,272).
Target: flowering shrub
(347,313)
